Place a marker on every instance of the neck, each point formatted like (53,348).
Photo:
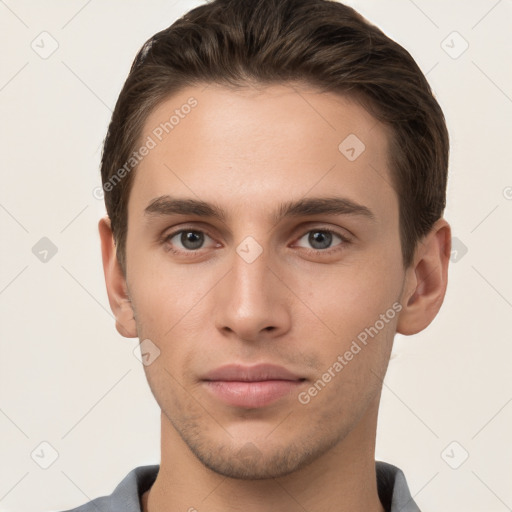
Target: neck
(343,479)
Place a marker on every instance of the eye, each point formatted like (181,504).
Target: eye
(321,240)
(189,242)
(186,240)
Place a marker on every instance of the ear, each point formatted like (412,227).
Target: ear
(117,291)
(426,280)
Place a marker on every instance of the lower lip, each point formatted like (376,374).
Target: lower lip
(251,394)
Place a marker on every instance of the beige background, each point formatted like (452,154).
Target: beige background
(68,379)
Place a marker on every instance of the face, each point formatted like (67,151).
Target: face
(264,264)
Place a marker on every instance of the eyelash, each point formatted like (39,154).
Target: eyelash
(192,253)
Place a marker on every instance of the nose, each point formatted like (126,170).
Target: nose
(252,303)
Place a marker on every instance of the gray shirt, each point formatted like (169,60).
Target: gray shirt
(393,491)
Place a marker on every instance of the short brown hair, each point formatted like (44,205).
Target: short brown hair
(322,43)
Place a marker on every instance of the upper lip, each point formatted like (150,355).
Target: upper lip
(259,372)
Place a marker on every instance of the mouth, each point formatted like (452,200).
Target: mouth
(251,387)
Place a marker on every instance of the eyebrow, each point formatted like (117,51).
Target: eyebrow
(167,205)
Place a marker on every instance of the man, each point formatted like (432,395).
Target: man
(274,175)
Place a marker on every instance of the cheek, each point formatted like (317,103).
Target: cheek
(359,306)
(163,293)
(352,298)
(174,305)
(168,304)
(351,371)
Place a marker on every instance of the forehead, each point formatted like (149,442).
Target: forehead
(256,146)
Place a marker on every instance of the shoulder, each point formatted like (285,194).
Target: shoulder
(126,496)
(393,489)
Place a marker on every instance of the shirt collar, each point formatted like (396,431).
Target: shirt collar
(392,487)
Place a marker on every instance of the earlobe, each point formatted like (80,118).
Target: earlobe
(426,280)
(117,290)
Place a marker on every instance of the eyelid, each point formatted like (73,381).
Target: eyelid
(341,231)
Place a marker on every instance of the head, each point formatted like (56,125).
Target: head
(243,125)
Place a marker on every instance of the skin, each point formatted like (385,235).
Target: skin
(248,151)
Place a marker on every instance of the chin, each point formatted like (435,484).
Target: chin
(252,462)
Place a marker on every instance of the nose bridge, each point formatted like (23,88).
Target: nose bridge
(250,277)
(252,303)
